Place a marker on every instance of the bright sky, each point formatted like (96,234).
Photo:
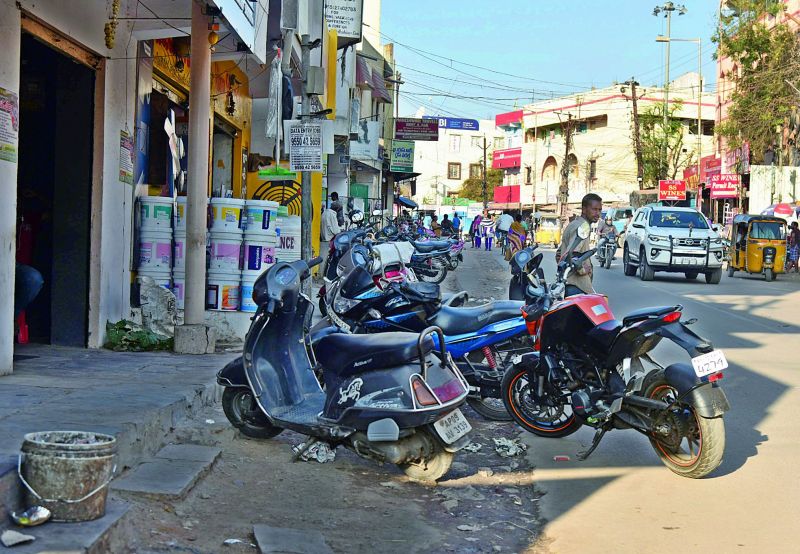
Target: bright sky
(540,48)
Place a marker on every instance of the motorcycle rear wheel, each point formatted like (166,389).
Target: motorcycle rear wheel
(243,412)
(433,466)
(434,274)
(695,445)
(528,414)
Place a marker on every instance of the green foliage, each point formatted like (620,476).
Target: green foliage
(766,54)
(127,336)
(472,188)
(653,138)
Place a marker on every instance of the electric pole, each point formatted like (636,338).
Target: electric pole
(485,200)
(563,191)
(305,194)
(637,138)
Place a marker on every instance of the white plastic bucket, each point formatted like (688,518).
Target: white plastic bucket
(162,278)
(289,238)
(180,213)
(155,212)
(179,287)
(179,249)
(226,214)
(155,250)
(260,217)
(223,291)
(247,304)
(225,251)
(259,253)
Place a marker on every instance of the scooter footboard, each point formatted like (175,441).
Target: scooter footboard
(708,399)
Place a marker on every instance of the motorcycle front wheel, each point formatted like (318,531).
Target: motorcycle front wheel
(688,444)
(435,273)
(242,411)
(552,419)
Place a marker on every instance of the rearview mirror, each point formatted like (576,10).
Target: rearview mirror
(584,231)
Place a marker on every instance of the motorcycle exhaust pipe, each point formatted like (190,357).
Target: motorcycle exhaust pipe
(408,449)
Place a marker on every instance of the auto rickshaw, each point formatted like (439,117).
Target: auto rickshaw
(549,230)
(758,245)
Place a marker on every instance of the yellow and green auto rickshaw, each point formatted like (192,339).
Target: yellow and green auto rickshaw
(549,230)
(758,245)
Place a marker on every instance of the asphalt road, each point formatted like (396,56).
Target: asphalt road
(622,499)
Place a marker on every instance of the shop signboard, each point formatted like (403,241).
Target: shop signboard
(305,146)
(402,159)
(345,17)
(671,190)
(409,128)
(724,186)
(455,123)
(507,158)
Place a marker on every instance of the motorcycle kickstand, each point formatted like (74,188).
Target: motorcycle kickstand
(598,436)
(303,448)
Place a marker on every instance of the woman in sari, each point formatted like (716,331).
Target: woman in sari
(475,231)
(516,237)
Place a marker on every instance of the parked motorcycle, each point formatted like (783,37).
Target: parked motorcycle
(592,369)
(392,397)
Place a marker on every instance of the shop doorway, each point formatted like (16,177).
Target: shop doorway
(222,172)
(54,189)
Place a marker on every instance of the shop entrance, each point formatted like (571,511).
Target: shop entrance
(54,187)
(222,152)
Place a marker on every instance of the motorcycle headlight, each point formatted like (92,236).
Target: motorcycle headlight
(657,238)
(343,305)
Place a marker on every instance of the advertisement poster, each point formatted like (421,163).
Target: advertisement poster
(409,128)
(402,159)
(724,186)
(455,123)
(345,17)
(9,125)
(305,147)
(126,157)
(671,190)
(366,147)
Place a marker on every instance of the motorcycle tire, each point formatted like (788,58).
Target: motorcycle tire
(242,411)
(433,466)
(522,407)
(323,307)
(708,433)
(453,264)
(609,259)
(486,407)
(435,274)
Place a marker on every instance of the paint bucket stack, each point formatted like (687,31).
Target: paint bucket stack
(225,251)
(260,240)
(179,252)
(289,238)
(154,252)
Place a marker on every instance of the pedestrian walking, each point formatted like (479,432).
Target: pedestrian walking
(793,250)
(456,225)
(329,229)
(475,231)
(487,230)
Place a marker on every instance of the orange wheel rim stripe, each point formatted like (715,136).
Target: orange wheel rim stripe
(522,418)
(668,454)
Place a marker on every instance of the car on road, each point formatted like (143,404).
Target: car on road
(677,240)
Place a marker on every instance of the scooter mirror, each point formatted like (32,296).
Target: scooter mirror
(584,231)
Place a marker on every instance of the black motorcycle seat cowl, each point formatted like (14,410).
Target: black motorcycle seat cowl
(605,333)
(346,354)
(459,321)
(647,313)
(431,246)
(422,291)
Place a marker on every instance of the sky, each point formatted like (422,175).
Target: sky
(534,49)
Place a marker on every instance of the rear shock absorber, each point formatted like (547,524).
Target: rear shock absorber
(489,355)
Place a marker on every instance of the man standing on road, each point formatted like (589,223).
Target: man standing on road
(330,228)
(591,206)
(336,206)
(456,224)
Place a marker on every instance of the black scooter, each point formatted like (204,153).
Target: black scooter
(389,397)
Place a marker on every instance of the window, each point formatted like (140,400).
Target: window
(453,170)
(678,220)
(475,171)
(476,142)
(455,143)
(499,143)
(592,169)
(528,174)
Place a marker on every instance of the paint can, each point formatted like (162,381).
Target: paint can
(247,304)
(155,212)
(226,214)
(223,290)
(225,251)
(155,250)
(260,217)
(289,239)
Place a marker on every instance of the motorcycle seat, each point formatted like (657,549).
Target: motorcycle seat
(605,333)
(431,246)
(647,313)
(422,291)
(460,321)
(346,354)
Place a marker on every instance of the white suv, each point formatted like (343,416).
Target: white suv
(679,240)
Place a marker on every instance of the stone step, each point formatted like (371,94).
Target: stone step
(170,474)
(276,540)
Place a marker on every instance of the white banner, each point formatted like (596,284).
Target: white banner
(305,146)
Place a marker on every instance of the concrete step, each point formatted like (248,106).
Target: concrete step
(276,540)
(170,474)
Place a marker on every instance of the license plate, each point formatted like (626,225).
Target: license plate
(707,364)
(452,427)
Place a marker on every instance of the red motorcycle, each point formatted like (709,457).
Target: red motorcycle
(588,368)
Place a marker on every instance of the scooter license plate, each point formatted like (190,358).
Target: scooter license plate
(710,363)
(452,427)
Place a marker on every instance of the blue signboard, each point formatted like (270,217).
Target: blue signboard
(455,123)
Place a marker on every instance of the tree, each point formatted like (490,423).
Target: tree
(653,137)
(765,56)
(472,188)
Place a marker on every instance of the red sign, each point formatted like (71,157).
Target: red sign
(409,128)
(671,190)
(724,186)
(510,157)
(506,195)
(508,118)
(710,165)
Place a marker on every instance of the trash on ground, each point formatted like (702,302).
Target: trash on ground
(469,528)
(560,458)
(390,485)
(210,421)
(231,542)
(11,538)
(507,448)
(33,516)
(320,452)
(473,447)
(516,499)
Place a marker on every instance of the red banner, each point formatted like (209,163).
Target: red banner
(671,190)
(507,195)
(724,186)
(709,165)
(510,157)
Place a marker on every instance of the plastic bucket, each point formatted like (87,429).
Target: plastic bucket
(155,250)
(225,251)
(260,217)
(161,277)
(179,287)
(179,249)
(226,214)
(180,213)
(247,304)
(289,238)
(258,253)
(223,290)
(68,472)
(155,212)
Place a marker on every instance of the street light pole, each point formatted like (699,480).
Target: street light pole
(667,8)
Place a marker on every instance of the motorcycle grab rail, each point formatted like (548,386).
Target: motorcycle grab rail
(442,348)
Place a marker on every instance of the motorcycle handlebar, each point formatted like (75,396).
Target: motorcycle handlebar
(313,262)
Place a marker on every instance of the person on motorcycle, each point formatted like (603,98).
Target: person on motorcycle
(580,281)
(606,230)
